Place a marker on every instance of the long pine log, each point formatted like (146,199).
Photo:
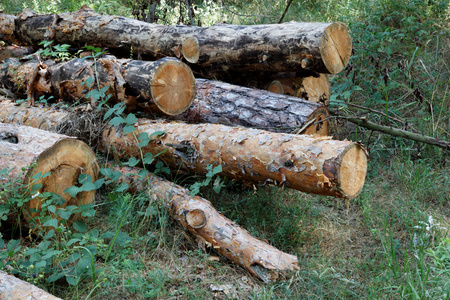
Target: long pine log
(164,87)
(288,47)
(227,104)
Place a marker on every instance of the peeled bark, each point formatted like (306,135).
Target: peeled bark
(12,288)
(315,89)
(206,224)
(14,51)
(306,47)
(310,164)
(223,103)
(166,86)
(39,151)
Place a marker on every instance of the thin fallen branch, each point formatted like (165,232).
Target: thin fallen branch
(400,133)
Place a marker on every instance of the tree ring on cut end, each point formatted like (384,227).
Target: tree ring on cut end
(352,170)
(320,124)
(173,87)
(336,47)
(190,49)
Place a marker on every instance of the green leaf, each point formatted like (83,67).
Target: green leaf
(51,253)
(51,222)
(72,191)
(148,158)
(72,279)
(36,187)
(79,226)
(132,162)
(116,121)
(143,136)
(158,133)
(88,213)
(55,276)
(41,264)
(49,234)
(131,119)
(73,241)
(128,129)
(84,265)
(64,213)
(37,175)
(51,208)
(122,187)
(98,183)
(84,178)
(143,173)
(2,243)
(88,186)
(107,235)
(108,113)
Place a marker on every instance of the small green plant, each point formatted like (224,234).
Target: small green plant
(212,171)
(58,52)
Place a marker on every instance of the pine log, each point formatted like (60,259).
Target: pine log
(315,89)
(35,150)
(308,47)
(223,103)
(12,288)
(166,86)
(199,217)
(310,164)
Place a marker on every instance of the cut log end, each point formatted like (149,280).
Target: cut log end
(352,170)
(318,122)
(336,47)
(196,218)
(191,50)
(173,87)
(65,160)
(276,87)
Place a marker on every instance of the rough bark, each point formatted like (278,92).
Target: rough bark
(12,288)
(14,51)
(315,89)
(166,86)
(223,103)
(198,216)
(310,164)
(308,47)
(37,151)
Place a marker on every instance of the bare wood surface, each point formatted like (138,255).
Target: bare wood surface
(310,164)
(39,151)
(166,86)
(223,103)
(308,47)
(198,216)
(12,288)
(315,89)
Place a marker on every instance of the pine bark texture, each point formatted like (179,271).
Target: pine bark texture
(310,164)
(227,104)
(315,89)
(41,151)
(166,86)
(198,216)
(12,288)
(309,47)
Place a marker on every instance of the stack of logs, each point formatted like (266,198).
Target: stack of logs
(239,125)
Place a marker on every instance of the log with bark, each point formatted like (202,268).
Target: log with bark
(12,288)
(315,89)
(166,86)
(310,164)
(198,216)
(51,160)
(14,51)
(223,103)
(307,163)
(307,47)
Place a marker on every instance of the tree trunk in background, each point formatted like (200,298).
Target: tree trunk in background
(12,288)
(315,89)
(206,224)
(166,86)
(36,150)
(223,103)
(310,164)
(222,48)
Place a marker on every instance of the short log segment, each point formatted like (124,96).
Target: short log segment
(310,164)
(61,158)
(223,103)
(315,89)
(166,86)
(206,224)
(12,288)
(308,47)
